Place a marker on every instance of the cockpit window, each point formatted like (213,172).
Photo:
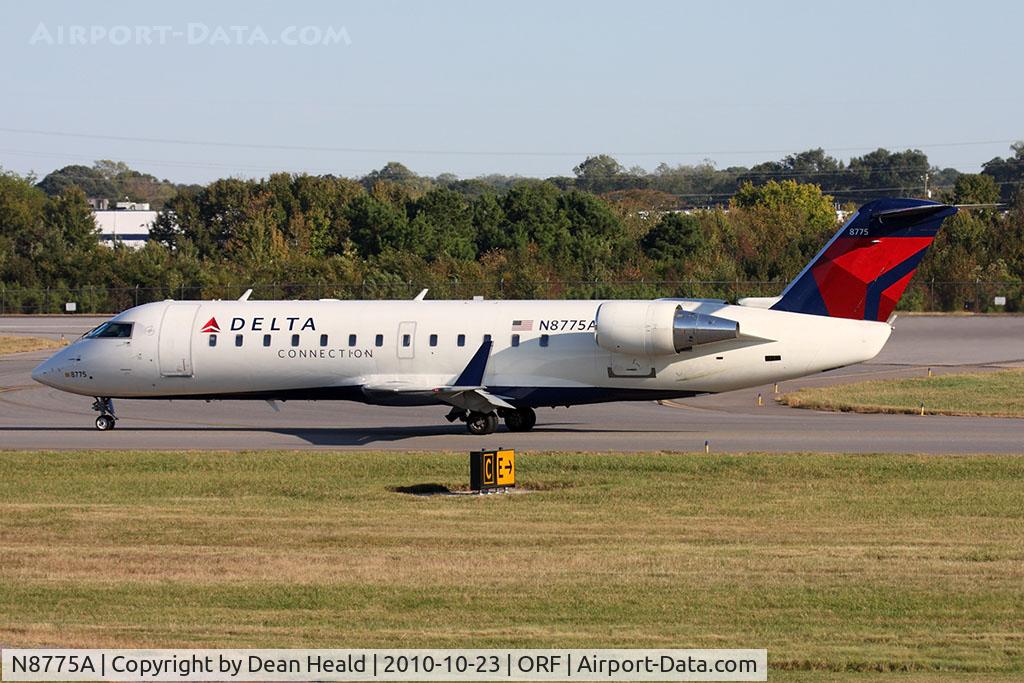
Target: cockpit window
(111,329)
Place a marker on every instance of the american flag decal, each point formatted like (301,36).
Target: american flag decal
(522,325)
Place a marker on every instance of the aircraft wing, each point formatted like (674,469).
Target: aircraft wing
(466,392)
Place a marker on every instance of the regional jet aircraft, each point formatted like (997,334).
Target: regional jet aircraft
(491,360)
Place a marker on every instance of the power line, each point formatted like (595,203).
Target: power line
(384,150)
(678,195)
(162,162)
(735,176)
(847,171)
(829,192)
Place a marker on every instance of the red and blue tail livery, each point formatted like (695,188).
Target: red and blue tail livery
(863,270)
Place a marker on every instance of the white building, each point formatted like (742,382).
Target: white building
(129,226)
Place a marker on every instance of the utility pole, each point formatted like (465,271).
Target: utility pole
(927,192)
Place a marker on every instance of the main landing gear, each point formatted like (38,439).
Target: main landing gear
(105,407)
(481,424)
(520,420)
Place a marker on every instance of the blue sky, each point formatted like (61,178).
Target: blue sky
(520,88)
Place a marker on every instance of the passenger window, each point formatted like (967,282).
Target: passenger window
(238,340)
(433,340)
(515,340)
(213,340)
(406,340)
(544,339)
(266,340)
(461,341)
(379,341)
(351,340)
(323,340)
(295,340)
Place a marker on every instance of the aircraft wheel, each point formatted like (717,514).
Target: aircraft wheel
(105,423)
(480,424)
(521,419)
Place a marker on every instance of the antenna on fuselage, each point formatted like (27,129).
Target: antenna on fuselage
(245,297)
(422,295)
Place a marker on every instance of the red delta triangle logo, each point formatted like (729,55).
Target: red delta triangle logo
(211,326)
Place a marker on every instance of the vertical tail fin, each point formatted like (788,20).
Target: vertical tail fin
(863,270)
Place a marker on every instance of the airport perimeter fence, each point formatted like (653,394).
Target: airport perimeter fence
(974,296)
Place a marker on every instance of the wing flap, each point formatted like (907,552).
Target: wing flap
(476,399)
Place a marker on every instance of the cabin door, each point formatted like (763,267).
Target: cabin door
(176,331)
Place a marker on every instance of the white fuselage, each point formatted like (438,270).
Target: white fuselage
(398,352)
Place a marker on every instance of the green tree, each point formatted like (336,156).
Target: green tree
(256,241)
(180,210)
(883,173)
(489,223)
(22,227)
(398,175)
(111,180)
(975,188)
(70,215)
(323,201)
(777,227)
(676,237)
(90,180)
(811,166)
(599,173)
(1008,173)
(598,236)
(532,216)
(377,225)
(442,222)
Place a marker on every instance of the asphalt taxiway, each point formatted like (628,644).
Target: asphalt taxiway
(38,417)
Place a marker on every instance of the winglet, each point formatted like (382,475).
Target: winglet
(473,375)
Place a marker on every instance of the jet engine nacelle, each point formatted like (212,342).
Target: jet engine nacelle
(657,328)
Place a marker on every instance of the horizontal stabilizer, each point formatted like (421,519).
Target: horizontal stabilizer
(759,301)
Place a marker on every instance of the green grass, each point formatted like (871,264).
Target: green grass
(996,394)
(839,565)
(12,344)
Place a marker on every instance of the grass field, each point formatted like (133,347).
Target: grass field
(12,344)
(997,394)
(846,565)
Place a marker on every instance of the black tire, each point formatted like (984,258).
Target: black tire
(105,423)
(480,424)
(520,420)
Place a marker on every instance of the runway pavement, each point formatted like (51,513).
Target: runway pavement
(33,416)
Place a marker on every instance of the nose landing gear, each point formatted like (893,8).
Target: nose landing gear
(107,419)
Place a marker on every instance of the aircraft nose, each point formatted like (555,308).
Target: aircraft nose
(48,371)
(42,370)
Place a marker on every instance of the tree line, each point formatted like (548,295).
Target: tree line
(511,237)
(875,174)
